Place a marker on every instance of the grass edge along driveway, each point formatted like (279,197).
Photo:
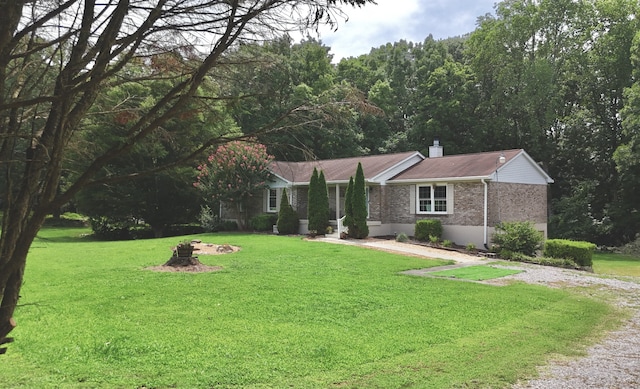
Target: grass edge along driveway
(282,312)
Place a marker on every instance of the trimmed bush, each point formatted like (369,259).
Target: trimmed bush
(579,251)
(229,225)
(348,204)
(324,199)
(182,229)
(359,229)
(518,237)
(427,228)
(544,261)
(288,221)
(318,203)
(263,222)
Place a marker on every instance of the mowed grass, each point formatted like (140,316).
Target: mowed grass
(284,312)
(475,273)
(616,264)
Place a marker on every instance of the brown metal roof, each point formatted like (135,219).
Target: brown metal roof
(336,170)
(457,166)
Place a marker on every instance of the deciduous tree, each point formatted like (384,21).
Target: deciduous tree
(55,60)
(236,174)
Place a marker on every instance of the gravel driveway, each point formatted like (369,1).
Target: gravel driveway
(613,363)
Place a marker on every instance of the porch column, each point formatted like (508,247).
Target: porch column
(337,202)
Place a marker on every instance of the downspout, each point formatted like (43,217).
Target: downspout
(485,211)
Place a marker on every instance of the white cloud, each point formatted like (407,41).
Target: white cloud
(371,26)
(392,20)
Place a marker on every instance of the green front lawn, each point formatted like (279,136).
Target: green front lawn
(616,264)
(475,273)
(283,312)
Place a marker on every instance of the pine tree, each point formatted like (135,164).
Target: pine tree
(288,220)
(359,204)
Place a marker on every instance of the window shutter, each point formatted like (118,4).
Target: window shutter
(412,199)
(450,188)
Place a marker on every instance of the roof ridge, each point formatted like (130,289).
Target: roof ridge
(356,157)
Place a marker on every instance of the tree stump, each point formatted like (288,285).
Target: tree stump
(177,261)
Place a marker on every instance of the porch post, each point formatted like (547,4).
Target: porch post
(337,202)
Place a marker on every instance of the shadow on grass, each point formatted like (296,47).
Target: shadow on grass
(63,235)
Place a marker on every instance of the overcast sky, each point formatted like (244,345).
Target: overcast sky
(411,20)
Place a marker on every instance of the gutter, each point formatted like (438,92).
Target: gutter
(437,179)
(485,213)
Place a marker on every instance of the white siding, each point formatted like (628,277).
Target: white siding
(279,183)
(521,170)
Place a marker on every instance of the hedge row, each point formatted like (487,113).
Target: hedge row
(579,251)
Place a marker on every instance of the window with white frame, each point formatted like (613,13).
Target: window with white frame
(432,198)
(272,200)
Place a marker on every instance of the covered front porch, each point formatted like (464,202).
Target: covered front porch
(336,194)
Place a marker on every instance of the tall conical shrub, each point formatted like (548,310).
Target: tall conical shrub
(359,204)
(348,205)
(323,199)
(288,221)
(313,204)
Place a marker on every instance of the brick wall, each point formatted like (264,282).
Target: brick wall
(375,202)
(516,202)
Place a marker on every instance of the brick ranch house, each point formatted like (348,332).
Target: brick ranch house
(468,193)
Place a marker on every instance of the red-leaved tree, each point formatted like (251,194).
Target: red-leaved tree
(236,174)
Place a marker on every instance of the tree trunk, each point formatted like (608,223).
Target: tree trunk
(241,216)
(14,248)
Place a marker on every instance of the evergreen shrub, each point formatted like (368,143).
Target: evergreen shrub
(288,221)
(359,228)
(579,251)
(318,203)
(427,228)
(263,222)
(519,237)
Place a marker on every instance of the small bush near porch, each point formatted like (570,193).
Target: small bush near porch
(283,312)
(427,229)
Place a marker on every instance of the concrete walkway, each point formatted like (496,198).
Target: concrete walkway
(407,248)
